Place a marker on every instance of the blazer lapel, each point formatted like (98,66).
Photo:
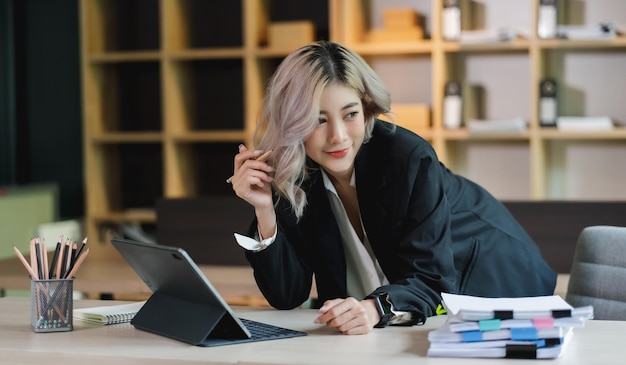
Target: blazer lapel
(370,185)
(320,223)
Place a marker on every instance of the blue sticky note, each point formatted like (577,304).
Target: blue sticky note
(524,334)
(471,336)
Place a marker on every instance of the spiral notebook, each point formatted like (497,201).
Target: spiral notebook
(108,314)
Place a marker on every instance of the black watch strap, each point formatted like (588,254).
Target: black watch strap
(383,305)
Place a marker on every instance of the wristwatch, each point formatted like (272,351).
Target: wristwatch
(383,305)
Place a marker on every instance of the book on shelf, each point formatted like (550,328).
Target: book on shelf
(505,34)
(584,124)
(108,314)
(492,126)
(599,31)
(526,327)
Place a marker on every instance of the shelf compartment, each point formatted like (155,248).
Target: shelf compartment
(489,164)
(486,93)
(201,24)
(585,169)
(408,78)
(355,19)
(121,25)
(204,167)
(124,97)
(205,95)
(289,10)
(133,174)
(588,82)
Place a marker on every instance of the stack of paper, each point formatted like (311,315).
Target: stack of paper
(505,125)
(529,327)
(590,32)
(584,124)
(488,35)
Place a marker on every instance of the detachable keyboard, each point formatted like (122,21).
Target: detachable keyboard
(263,331)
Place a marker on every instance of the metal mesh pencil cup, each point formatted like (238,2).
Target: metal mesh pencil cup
(52,305)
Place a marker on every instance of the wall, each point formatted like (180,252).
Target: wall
(40,123)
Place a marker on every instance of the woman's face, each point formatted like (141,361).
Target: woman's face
(337,138)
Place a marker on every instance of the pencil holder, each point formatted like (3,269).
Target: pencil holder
(52,305)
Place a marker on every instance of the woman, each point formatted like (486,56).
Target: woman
(367,207)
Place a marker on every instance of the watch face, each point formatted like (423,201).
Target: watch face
(383,305)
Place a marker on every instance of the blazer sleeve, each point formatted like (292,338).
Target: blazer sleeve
(413,244)
(281,272)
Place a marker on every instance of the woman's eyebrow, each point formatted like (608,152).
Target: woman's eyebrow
(347,106)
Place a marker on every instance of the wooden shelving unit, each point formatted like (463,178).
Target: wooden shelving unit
(171,87)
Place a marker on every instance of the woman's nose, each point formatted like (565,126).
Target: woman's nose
(337,132)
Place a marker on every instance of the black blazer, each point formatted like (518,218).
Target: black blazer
(432,231)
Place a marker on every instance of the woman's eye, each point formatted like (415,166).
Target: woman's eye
(352,115)
(321,121)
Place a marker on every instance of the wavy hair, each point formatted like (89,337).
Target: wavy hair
(291,109)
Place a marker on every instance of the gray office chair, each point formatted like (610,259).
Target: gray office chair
(598,275)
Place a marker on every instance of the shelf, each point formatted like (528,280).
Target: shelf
(619,42)
(522,45)
(128,137)
(128,56)
(207,54)
(139,216)
(216,136)
(463,134)
(172,87)
(393,48)
(619,133)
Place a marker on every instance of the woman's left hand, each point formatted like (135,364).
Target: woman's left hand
(350,316)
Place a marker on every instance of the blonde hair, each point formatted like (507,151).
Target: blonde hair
(291,109)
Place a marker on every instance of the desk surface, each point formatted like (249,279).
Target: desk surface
(600,342)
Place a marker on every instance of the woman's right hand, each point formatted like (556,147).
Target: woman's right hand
(251,179)
(252,182)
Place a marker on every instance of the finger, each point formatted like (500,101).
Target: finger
(245,155)
(330,304)
(357,329)
(256,183)
(241,158)
(332,309)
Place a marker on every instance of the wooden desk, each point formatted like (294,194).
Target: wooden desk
(117,278)
(600,342)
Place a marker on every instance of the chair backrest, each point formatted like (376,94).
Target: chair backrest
(598,275)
